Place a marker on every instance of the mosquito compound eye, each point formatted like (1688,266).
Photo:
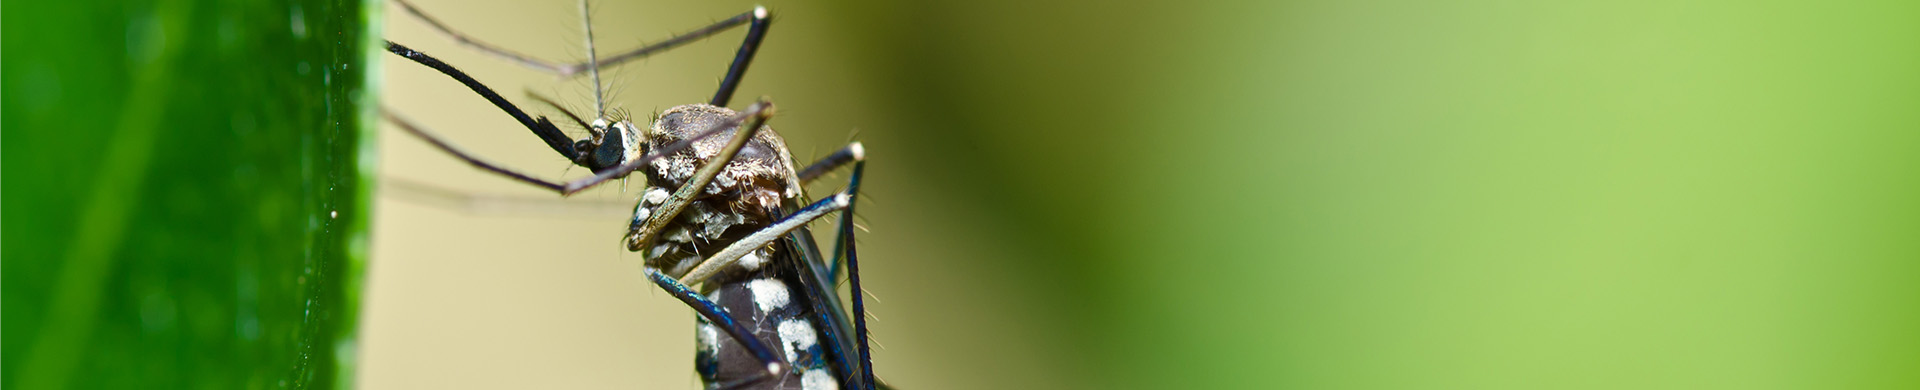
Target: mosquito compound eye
(633,140)
(608,152)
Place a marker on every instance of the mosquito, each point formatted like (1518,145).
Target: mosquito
(724,210)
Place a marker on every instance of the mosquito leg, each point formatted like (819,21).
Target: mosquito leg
(758,239)
(852,152)
(575,69)
(462,201)
(755,33)
(758,16)
(463,155)
(843,245)
(643,235)
(540,126)
(714,315)
(858,371)
(476,44)
(826,273)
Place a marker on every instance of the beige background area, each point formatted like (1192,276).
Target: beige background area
(543,296)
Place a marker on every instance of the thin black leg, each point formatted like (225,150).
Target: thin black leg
(852,152)
(462,201)
(476,44)
(464,156)
(675,41)
(716,316)
(843,251)
(575,69)
(540,126)
(755,33)
(845,241)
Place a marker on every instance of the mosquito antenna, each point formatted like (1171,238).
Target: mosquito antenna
(599,103)
(563,110)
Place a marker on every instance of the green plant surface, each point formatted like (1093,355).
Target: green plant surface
(185,192)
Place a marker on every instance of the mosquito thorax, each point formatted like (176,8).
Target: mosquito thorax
(760,177)
(743,197)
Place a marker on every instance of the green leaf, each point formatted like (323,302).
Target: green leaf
(186,197)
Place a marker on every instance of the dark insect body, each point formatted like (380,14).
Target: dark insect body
(725,209)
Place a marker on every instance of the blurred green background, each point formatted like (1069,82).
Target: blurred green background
(1208,194)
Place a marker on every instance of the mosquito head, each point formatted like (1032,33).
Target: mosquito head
(609,143)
